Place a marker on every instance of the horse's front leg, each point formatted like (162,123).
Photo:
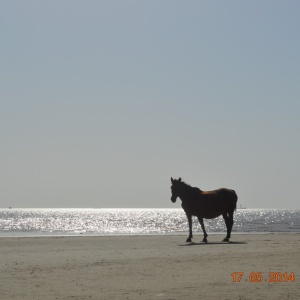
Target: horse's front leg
(189,239)
(203,228)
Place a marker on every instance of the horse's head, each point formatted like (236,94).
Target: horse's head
(175,188)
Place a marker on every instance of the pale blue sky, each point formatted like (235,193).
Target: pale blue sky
(103,101)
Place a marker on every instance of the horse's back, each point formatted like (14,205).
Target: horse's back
(211,204)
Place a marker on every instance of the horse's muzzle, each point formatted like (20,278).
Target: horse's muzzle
(173,199)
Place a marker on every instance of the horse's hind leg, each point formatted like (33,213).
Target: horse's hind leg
(230,217)
(203,228)
(229,223)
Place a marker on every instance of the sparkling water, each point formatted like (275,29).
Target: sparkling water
(40,222)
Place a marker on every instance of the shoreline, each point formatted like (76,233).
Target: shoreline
(148,267)
(51,235)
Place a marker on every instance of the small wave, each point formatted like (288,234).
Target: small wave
(137,221)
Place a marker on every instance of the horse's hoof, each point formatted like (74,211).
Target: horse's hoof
(226,240)
(204,240)
(188,240)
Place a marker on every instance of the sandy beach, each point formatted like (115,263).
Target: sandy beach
(150,267)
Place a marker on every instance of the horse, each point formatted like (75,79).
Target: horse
(205,205)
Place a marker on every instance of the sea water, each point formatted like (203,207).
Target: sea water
(43,222)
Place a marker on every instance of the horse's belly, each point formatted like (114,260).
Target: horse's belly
(211,216)
(208,210)
(208,215)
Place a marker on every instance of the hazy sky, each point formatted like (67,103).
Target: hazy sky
(103,101)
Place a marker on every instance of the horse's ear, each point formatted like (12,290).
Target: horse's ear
(179,179)
(172,180)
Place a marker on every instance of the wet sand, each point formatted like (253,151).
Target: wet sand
(149,267)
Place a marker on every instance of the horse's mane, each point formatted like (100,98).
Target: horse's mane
(189,188)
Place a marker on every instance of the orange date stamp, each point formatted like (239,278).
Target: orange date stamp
(260,277)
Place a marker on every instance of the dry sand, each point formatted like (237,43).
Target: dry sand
(147,267)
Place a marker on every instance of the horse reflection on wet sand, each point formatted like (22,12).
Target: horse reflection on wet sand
(205,205)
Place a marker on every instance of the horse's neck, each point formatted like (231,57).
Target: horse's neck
(189,194)
(186,194)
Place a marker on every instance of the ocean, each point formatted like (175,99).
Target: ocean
(99,222)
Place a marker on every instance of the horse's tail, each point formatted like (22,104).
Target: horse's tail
(232,203)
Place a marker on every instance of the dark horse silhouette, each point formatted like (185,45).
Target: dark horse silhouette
(205,205)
